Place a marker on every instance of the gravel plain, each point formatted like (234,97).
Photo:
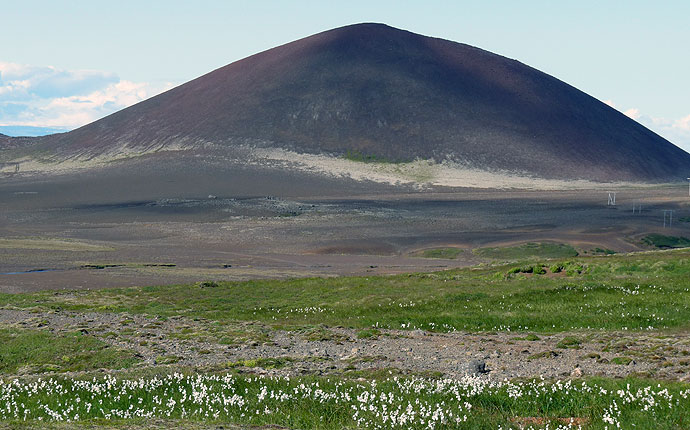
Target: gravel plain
(195,343)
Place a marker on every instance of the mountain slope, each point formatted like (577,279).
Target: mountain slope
(395,95)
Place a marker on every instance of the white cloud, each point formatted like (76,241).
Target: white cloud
(677,131)
(683,123)
(50,97)
(632,113)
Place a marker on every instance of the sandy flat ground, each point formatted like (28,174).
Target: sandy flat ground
(184,216)
(186,239)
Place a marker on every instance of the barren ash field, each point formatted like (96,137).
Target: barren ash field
(57,235)
(250,250)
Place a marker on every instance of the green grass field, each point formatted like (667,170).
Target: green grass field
(641,291)
(629,292)
(38,350)
(666,242)
(321,403)
(443,253)
(528,250)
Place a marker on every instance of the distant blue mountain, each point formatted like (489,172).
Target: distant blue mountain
(27,130)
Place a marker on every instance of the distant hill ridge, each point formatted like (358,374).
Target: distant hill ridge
(395,95)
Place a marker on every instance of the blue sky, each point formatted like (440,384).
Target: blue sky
(67,63)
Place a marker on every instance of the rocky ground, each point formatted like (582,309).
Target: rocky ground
(256,348)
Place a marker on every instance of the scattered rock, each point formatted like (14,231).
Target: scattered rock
(576,373)
(452,354)
(477,367)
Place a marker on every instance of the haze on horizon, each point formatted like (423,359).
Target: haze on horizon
(90,59)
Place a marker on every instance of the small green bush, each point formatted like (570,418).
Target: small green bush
(544,354)
(209,284)
(368,333)
(624,361)
(536,269)
(569,342)
(556,268)
(666,242)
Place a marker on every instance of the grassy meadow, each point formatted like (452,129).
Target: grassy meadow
(617,292)
(324,403)
(537,294)
(38,350)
